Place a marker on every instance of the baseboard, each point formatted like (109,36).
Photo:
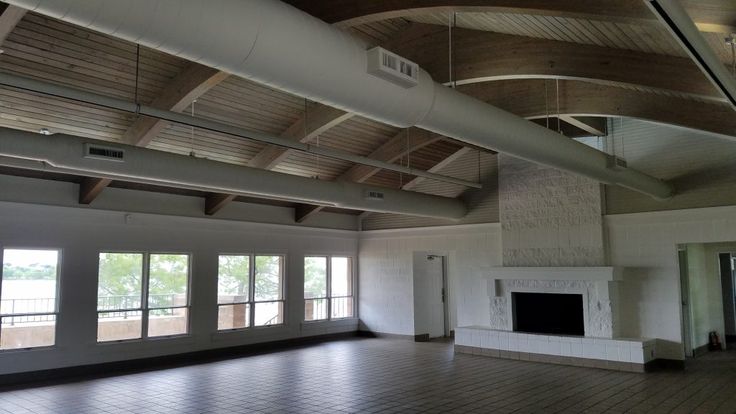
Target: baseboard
(664,365)
(421,338)
(164,361)
(657,364)
(374,334)
(700,351)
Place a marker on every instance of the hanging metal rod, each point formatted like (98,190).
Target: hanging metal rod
(92,98)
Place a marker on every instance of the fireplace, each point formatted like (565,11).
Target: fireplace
(548,313)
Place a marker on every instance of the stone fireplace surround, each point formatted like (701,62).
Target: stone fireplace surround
(601,347)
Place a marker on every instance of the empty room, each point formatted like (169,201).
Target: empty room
(349,206)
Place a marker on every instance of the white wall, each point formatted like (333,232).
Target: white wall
(386,278)
(645,244)
(82,232)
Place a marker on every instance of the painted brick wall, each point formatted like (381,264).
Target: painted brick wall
(549,217)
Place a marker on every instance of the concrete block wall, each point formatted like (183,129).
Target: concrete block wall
(386,278)
(645,245)
(549,217)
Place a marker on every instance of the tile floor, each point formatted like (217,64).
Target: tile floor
(386,376)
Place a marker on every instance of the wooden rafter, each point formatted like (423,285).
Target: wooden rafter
(481,56)
(10,18)
(193,81)
(526,98)
(718,16)
(399,146)
(315,122)
(595,126)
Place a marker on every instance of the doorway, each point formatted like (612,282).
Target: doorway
(727,265)
(431,318)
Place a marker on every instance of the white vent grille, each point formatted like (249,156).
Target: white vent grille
(374,195)
(102,152)
(392,67)
(616,163)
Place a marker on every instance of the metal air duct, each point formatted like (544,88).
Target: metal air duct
(74,155)
(273,43)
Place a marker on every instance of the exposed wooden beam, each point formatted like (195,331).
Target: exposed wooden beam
(403,143)
(438,167)
(215,202)
(315,122)
(709,15)
(90,188)
(10,18)
(481,56)
(595,126)
(526,98)
(193,81)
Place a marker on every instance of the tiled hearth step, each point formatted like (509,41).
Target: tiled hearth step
(622,354)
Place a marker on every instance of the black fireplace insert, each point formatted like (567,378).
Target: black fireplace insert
(548,313)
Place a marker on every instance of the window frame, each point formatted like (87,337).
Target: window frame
(57,301)
(145,309)
(330,297)
(251,302)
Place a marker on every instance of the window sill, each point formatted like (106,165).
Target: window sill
(29,349)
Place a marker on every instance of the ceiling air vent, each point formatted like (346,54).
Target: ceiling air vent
(374,195)
(102,152)
(392,67)
(616,163)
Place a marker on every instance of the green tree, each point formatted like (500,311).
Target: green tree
(168,277)
(121,277)
(268,274)
(33,271)
(315,277)
(232,276)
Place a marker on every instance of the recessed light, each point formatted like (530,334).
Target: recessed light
(44,131)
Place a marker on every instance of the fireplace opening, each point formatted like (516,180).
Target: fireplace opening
(548,313)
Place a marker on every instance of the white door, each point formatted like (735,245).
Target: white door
(429,295)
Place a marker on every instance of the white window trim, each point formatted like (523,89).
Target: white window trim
(56,313)
(144,308)
(330,297)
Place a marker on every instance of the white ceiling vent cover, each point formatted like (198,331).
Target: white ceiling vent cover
(392,67)
(102,152)
(374,195)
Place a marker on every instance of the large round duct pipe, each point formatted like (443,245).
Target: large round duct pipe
(275,44)
(74,155)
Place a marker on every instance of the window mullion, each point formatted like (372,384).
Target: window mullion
(329,288)
(144,294)
(252,291)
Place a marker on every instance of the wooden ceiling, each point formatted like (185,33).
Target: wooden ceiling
(606,59)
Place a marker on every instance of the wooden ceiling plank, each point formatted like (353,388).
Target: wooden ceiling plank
(347,13)
(483,56)
(525,98)
(191,83)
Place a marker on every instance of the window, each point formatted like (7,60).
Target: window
(250,291)
(233,287)
(328,288)
(28,298)
(141,295)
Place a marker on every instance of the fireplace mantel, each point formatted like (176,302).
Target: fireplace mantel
(598,285)
(589,274)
